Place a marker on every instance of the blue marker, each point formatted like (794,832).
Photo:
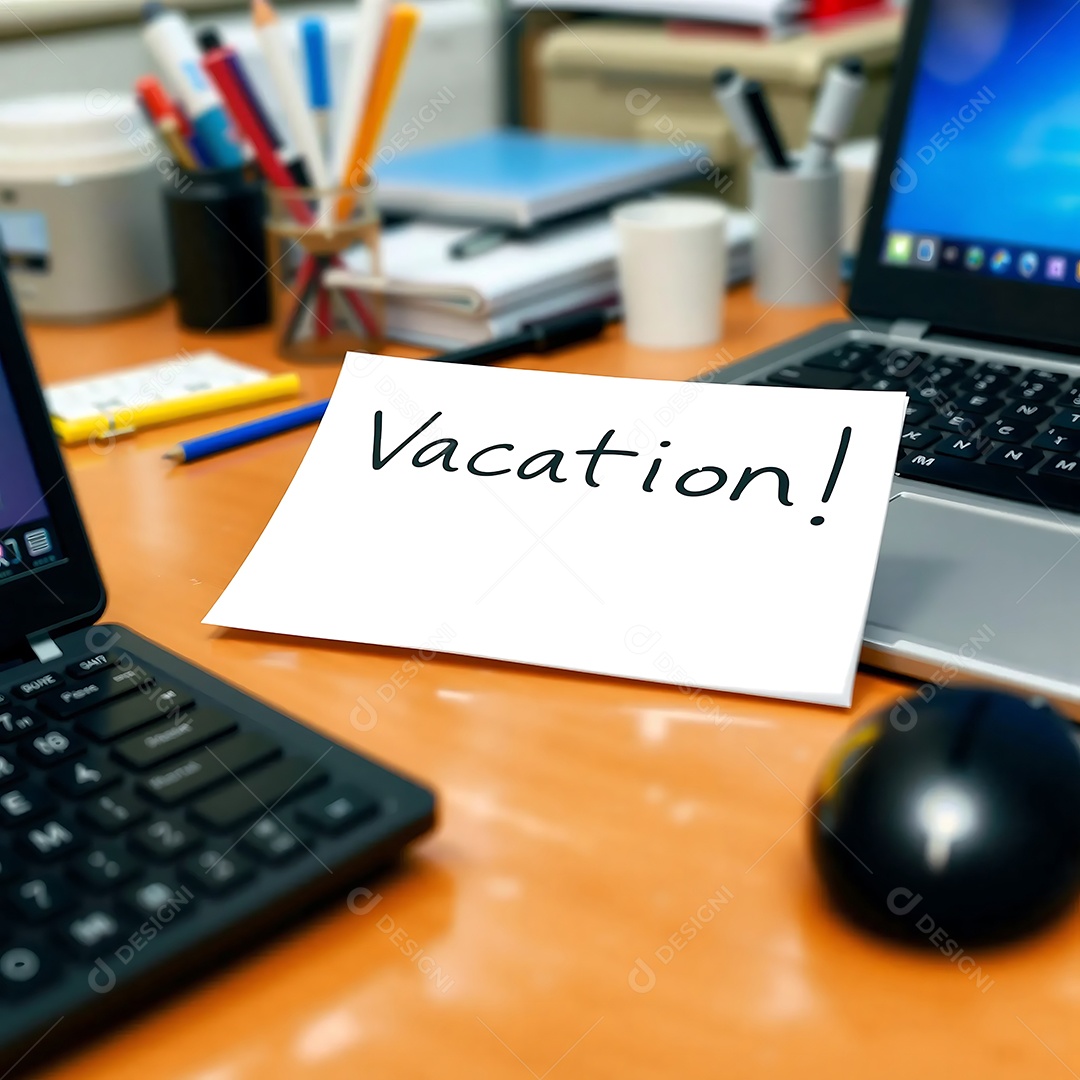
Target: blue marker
(316,48)
(172,44)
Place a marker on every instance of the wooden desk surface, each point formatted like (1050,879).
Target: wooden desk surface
(564,901)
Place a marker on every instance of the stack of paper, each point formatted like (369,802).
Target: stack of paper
(440,302)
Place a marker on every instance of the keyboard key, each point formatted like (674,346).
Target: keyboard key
(165,837)
(982,384)
(980,404)
(49,841)
(48,680)
(262,790)
(1058,441)
(218,871)
(1033,390)
(1026,412)
(14,723)
(844,358)
(123,716)
(10,770)
(93,692)
(272,841)
(40,898)
(114,813)
(902,363)
(77,779)
(1015,457)
(51,747)
(917,413)
(993,367)
(337,808)
(92,934)
(1069,421)
(1011,431)
(105,866)
(24,971)
(189,729)
(182,779)
(1058,378)
(816,378)
(156,897)
(1070,399)
(884,383)
(1065,468)
(964,423)
(1040,488)
(91,665)
(930,393)
(24,803)
(963,446)
(915,438)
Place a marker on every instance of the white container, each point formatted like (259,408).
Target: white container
(82,218)
(672,270)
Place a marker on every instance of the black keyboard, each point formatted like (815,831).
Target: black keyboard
(152,817)
(998,429)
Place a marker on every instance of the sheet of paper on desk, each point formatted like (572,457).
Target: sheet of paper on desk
(721,537)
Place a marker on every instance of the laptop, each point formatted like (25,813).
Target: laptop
(966,294)
(153,819)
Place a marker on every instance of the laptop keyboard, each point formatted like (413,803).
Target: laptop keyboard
(128,798)
(993,428)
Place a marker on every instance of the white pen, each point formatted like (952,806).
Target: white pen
(270,32)
(836,104)
(729,92)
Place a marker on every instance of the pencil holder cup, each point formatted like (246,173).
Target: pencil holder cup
(308,234)
(217,245)
(797,248)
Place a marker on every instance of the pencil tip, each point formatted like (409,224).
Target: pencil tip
(262,12)
(176,454)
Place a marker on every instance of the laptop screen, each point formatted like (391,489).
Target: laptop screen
(987,180)
(27,534)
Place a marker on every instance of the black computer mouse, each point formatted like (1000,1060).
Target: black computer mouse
(952,821)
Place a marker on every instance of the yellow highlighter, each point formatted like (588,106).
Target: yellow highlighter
(397,40)
(128,419)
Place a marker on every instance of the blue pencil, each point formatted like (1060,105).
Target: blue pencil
(316,50)
(244,434)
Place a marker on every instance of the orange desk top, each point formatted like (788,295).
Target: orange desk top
(620,885)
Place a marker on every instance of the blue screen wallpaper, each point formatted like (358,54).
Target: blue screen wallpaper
(991,149)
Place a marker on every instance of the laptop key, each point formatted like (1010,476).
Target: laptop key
(90,693)
(1066,468)
(259,791)
(77,779)
(105,866)
(41,898)
(1026,412)
(968,447)
(180,780)
(1033,390)
(127,714)
(1070,399)
(165,837)
(1011,431)
(1015,457)
(195,728)
(1070,421)
(980,404)
(49,841)
(916,413)
(1058,442)
(337,808)
(844,358)
(156,897)
(51,747)
(816,378)
(1038,488)
(883,383)
(960,422)
(902,363)
(91,665)
(218,871)
(993,367)
(1058,378)
(10,770)
(271,841)
(915,438)
(32,688)
(89,935)
(24,970)
(18,722)
(115,812)
(25,803)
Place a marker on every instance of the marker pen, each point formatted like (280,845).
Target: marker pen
(729,92)
(836,104)
(173,46)
(768,135)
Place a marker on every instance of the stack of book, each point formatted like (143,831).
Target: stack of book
(560,255)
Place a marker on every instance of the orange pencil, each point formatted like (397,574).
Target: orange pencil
(397,39)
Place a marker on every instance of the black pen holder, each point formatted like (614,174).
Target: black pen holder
(218,245)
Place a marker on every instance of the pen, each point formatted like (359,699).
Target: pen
(170,41)
(317,65)
(768,136)
(245,434)
(210,40)
(729,92)
(162,113)
(836,104)
(299,118)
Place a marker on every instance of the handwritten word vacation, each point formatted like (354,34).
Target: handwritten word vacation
(498,460)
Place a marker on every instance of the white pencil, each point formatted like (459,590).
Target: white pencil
(370,23)
(300,119)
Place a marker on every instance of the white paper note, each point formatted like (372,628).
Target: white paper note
(710,536)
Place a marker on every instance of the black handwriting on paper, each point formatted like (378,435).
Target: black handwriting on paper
(553,464)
